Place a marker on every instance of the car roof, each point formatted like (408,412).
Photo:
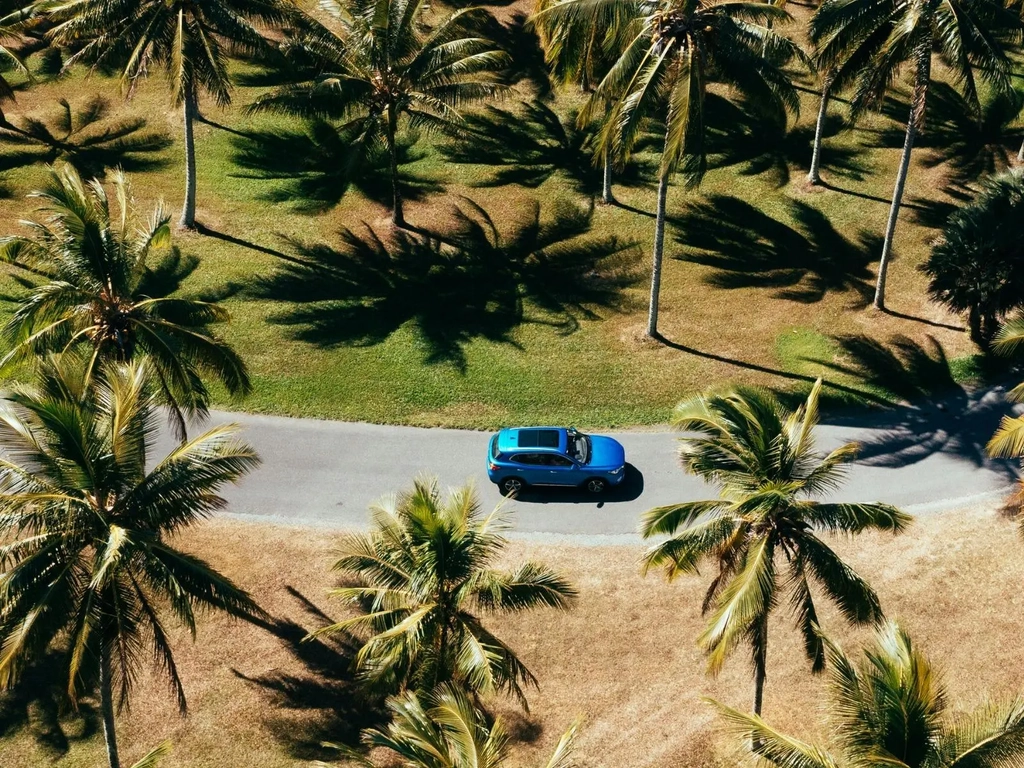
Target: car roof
(533,439)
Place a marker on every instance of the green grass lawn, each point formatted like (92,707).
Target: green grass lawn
(763,280)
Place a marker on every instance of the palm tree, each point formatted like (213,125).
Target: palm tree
(14,21)
(376,65)
(675,48)
(87,567)
(892,711)
(98,290)
(583,54)
(191,40)
(425,573)
(977,266)
(1008,441)
(760,531)
(447,730)
(878,38)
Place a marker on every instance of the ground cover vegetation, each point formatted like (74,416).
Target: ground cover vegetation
(494,142)
(92,529)
(624,658)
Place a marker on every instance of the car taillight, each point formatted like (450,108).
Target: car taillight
(491,467)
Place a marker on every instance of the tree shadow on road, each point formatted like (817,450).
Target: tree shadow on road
(469,281)
(942,416)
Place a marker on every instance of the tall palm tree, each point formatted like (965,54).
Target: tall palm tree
(445,729)
(14,20)
(675,49)
(881,37)
(425,572)
(192,41)
(87,567)
(582,54)
(99,290)
(377,63)
(1008,441)
(761,530)
(893,711)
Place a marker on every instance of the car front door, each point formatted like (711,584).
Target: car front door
(562,471)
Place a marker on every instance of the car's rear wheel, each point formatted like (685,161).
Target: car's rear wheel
(511,486)
(596,485)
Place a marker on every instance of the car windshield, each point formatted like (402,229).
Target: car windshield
(579,447)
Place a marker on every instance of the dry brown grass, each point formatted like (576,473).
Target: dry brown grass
(625,658)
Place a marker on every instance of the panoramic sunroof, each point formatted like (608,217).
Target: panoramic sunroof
(538,438)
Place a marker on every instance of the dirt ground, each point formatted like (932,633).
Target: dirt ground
(625,658)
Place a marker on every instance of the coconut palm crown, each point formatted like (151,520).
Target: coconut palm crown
(445,729)
(426,574)
(760,532)
(872,41)
(374,65)
(674,50)
(94,287)
(86,565)
(192,41)
(892,711)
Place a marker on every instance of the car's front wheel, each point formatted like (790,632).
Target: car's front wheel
(595,485)
(511,486)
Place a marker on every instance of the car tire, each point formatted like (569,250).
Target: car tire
(511,486)
(596,485)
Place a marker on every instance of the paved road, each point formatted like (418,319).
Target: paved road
(327,473)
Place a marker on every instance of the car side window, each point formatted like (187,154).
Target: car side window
(558,461)
(531,459)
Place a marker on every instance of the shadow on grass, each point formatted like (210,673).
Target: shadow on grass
(333,705)
(87,138)
(943,417)
(38,705)
(517,38)
(531,144)
(756,145)
(452,287)
(749,249)
(317,166)
(973,145)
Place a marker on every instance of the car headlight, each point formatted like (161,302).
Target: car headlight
(617,471)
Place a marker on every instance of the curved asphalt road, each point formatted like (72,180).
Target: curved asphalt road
(327,473)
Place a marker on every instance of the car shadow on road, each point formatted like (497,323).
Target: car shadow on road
(629,489)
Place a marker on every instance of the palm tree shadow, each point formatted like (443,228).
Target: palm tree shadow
(755,144)
(88,138)
(971,145)
(451,287)
(939,416)
(38,705)
(332,704)
(316,167)
(533,143)
(803,262)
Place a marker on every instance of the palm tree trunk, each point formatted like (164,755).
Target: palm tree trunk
(606,183)
(760,667)
(397,215)
(659,251)
(914,122)
(188,210)
(1020,155)
(814,176)
(107,710)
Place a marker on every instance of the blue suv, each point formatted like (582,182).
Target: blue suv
(523,456)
